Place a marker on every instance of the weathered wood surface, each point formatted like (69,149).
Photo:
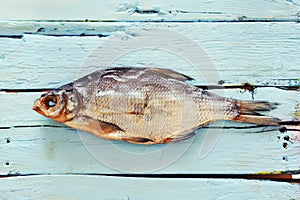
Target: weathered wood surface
(61,58)
(94,187)
(40,54)
(28,147)
(238,51)
(152,10)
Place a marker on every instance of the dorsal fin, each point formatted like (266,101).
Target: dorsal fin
(121,71)
(168,73)
(165,73)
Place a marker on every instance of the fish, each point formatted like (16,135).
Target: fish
(143,105)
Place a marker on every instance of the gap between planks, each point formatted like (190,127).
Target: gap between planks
(242,19)
(245,86)
(292,176)
(41,30)
(281,129)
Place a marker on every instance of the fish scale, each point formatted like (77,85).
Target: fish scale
(143,106)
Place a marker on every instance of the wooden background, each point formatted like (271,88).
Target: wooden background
(45,44)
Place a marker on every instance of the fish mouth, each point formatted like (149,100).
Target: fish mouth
(55,112)
(37,106)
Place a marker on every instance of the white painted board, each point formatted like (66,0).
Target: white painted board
(150,10)
(93,187)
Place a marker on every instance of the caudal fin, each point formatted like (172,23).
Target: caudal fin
(248,113)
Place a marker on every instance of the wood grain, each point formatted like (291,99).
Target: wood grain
(261,47)
(40,145)
(239,53)
(93,187)
(151,10)
(60,58)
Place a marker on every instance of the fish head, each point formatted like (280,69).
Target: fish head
(60,104)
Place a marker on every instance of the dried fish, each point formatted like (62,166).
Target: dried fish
(144,106)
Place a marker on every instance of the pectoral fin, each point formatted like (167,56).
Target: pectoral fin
(109,127)
(97,127)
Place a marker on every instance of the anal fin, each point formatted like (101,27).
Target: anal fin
(138,140)
(181,137)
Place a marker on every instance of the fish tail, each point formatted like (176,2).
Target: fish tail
(253,106)
(248,113)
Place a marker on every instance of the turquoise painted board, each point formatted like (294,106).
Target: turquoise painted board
(238,52)
(42,159)
(90,187)
(35,149)
(151,10)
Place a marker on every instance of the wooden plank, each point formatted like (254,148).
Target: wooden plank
(152,10)
(50,150)
(44,74)
(238,53)
(15,28)
(42,55)
(28,147)
(93,187)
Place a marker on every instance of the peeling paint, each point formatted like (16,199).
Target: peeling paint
(50,150)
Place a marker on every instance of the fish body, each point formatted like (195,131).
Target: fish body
(143,106)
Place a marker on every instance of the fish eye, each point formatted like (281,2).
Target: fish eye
(50,101)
